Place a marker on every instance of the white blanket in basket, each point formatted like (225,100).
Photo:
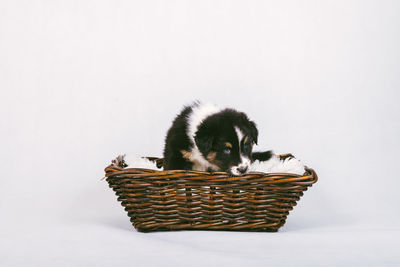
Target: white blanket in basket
(273,165)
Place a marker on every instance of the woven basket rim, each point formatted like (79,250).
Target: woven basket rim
(114,169)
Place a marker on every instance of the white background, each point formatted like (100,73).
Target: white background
(84,81)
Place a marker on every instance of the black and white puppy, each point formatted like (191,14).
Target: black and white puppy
(206,138)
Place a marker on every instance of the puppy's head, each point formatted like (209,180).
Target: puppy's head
(226,140)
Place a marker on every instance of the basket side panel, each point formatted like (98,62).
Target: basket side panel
(187,201)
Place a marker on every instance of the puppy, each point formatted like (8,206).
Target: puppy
(206,138)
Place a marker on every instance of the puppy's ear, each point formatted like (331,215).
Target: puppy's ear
(253,132)
(249,126)
(204,140)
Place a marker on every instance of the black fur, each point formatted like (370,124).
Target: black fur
(211,139)
(176,141)
(262,156)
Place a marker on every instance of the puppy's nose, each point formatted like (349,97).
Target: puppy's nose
(242,169)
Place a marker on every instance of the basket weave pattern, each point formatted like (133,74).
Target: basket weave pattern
(188,200)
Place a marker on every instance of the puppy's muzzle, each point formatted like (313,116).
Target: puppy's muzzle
(239,170)
(242,169)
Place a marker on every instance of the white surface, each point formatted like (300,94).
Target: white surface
(84,81)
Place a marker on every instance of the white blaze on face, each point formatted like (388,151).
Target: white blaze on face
(244,160)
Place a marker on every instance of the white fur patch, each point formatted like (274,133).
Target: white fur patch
(239,134)
(197,116)
(199,113)
(244,160)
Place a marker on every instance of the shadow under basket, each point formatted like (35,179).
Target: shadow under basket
(194,200)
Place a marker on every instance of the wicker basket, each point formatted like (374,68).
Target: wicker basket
(189,200)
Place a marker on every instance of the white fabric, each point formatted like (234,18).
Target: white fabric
(273,165)
(139,162)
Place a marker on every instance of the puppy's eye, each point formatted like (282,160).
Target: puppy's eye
(227,150)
